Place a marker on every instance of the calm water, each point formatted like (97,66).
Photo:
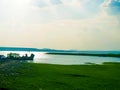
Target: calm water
(41,57)
(71,59)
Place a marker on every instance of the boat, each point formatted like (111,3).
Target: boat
(2,57)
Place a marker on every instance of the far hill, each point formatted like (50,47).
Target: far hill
(18,49)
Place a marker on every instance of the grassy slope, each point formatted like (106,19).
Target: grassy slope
(29,76)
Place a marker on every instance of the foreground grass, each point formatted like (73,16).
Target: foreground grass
(31,76)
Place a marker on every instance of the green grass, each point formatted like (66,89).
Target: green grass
(31,76)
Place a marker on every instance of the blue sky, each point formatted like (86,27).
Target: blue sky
(61,24)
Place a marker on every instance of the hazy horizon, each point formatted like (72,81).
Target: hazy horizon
(14,47)
(60,24)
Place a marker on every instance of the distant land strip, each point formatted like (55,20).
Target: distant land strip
(18,49)
(86,54)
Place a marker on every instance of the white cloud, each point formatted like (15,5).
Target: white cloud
(111,6)
(69,9)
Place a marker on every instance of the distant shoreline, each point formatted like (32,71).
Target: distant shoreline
(86,54)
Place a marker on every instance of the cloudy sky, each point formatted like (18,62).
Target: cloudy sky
(60,24)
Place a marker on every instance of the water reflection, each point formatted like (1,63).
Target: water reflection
(40,57)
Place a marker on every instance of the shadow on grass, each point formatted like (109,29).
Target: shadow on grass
(4,89)
(75,75)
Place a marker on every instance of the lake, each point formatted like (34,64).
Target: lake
(42,57)
(73,59)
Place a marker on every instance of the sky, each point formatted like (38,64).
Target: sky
(60,24)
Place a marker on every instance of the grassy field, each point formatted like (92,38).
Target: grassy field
(30,76)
